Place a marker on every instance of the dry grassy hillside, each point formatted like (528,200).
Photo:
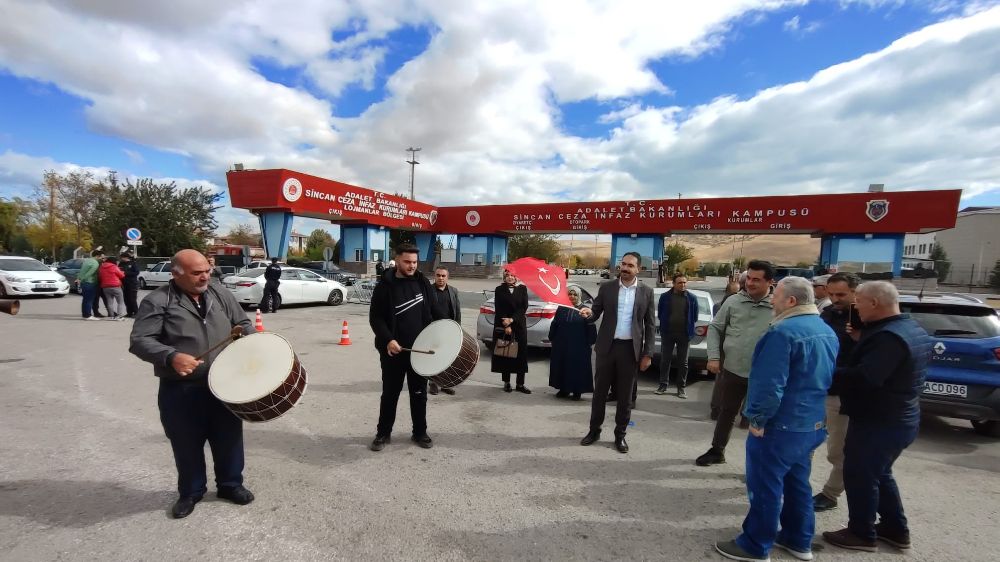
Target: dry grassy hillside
(783,249)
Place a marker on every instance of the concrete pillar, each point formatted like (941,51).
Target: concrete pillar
(276,226)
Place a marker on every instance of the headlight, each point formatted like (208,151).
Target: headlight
(13,279)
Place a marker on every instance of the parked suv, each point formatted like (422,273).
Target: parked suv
(335,272)
(70,269)
(963,380)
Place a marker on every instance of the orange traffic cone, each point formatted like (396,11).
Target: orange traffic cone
(345,336)
(259,324)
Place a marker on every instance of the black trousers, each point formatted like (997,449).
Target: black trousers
(270,301)
(98,297)
(506,378)
(618,370)
(732,391)
(131,290)
(394,370)
(191,415)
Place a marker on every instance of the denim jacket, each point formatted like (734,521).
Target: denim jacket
(791,371)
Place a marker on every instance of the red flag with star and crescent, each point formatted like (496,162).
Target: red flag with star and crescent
(545,280)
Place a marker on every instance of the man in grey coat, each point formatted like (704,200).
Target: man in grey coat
(175,324)
(624,345)
(445,306)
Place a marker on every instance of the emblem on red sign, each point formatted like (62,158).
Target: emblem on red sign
(472,218)
(292,190)
(877,209)
(433,218)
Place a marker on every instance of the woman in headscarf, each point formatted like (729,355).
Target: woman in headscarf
(570,370)
(510,302)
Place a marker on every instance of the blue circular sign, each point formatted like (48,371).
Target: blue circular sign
(133,234)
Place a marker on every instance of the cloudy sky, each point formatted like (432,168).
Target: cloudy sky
(509,100)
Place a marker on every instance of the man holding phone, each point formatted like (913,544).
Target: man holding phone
(840,289)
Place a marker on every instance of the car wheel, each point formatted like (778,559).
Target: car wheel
(989,428)
(142,284)
(336,298)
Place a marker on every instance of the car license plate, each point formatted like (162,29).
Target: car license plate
(946,389)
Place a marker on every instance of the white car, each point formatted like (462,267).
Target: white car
(20,276)
(297,286)
(155,276)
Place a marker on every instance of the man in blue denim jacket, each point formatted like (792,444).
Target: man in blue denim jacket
(791,370)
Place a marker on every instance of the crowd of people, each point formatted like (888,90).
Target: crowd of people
(113,281)
(805,362)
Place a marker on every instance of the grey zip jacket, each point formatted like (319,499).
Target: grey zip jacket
(168,323)
(735,330)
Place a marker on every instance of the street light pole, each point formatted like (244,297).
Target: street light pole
(413,163)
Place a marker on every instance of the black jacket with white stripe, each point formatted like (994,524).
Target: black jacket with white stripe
(400,309)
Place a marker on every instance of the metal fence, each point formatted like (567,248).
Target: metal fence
(361,292)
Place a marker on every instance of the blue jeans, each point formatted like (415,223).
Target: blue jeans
(778,467)
(870,449)
(88,291)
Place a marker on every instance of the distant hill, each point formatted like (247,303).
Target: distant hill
(782,249)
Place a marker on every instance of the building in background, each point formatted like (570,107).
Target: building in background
(973,246)
(917,250)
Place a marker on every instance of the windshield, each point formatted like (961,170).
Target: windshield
(25,264)
(955,321)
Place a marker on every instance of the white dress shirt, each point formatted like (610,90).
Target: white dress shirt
(626,303)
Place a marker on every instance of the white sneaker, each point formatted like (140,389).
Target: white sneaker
(91,318)
(120,318)
(796,553)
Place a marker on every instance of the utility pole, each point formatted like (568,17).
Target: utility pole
(52,218)
(413,163)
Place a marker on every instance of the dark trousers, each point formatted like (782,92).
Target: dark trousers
(270,301)
(870,449)
(617,370)
(88,291)
(732,391)
(131,290)
(394,370)
(191,415)
(95,301)
(667,344)
(778,466)
(506,378)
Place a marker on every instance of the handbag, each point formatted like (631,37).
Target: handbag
(506,346)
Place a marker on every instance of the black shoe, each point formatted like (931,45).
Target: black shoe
(575,396)
(432,389)
(448,391)
(898,539)
(662,389)
(523,389)
(823,503)
(184,506)
(621,445)
(98,315)
(590,438)
(380,442)
(506,387)
(236,494)
(562,394)
(423,440)
(681,393)
(711,457)
(732,551)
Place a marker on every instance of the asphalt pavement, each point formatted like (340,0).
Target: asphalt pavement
(87,474)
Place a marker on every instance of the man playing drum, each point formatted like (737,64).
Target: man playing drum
(175,324)
(400,309)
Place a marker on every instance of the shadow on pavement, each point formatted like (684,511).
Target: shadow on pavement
(74,503)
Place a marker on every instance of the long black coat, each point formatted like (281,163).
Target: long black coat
(514,305)
(570,367)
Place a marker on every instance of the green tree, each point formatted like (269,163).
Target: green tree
(397,237)
(709,269)
(244,235)
(171,219)
(318,239)
(10,212)
(725,270)
(73,198)
(676,253)
(995,276)
(740,262)
(941,263)
(541,246)
(804,265)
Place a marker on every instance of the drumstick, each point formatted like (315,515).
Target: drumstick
(426,352)
(235,333)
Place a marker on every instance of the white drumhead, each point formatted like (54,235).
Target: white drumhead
(444,337)
(250,368)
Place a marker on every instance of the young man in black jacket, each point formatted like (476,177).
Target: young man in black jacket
(272,276)
(400,309)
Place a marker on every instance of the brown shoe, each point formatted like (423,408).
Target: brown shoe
(898,539)
(845,538)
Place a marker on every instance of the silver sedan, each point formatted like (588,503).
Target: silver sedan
(539,317)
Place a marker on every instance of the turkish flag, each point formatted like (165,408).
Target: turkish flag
(546,281)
